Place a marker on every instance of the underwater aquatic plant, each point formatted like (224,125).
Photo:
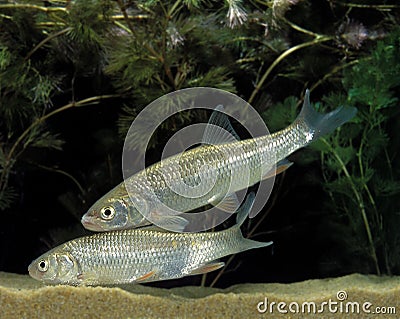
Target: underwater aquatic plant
(56,55)
(354,33)
(236,14)
(358,162)
(362,174)
(30,80)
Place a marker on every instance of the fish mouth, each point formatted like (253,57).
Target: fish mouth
(30,269)
(33,271)
(88,223)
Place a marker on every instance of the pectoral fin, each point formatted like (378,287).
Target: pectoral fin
(153,228)
(171,222)
(88,278)
(207,268)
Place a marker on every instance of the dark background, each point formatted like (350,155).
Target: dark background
(48,205)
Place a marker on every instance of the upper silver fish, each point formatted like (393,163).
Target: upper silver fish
(136,255)
(232,166)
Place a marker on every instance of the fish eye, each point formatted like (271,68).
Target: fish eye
(43,265)
(107,213)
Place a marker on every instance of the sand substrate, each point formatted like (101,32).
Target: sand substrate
(354,296)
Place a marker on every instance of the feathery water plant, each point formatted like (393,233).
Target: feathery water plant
(121,55)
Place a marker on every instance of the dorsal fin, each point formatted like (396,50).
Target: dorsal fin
(219,129)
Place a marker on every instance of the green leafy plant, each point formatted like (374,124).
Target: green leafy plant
(143,50)
(115,57)
(357,161)
(360,171)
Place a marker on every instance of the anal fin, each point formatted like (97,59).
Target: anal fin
(207,268)
(145,277)
(281,166)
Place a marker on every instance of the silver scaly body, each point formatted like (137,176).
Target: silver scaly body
(231,167)
(135,255)
(234,166)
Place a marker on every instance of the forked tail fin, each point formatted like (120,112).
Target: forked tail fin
(321,124)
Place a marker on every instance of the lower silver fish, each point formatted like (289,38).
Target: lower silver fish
(137,256)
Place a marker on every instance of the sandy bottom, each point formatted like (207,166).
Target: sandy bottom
(354,296)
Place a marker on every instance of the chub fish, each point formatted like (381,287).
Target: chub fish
(140,255)
(233,166)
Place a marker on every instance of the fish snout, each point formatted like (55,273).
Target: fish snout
(33,271)
(89,223)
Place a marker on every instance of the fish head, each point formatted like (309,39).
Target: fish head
(55,267)
(113,214)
